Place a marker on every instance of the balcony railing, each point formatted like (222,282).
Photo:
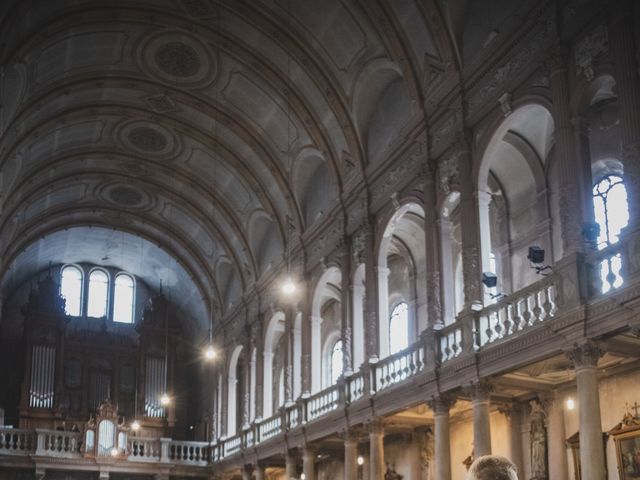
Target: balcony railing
(398,367)
(564,288)
(59,444)
(516,312)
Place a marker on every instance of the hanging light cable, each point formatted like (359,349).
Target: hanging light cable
(210,352)
(288,286)
(165,399)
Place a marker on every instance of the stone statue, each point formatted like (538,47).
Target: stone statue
(538,435)
(391,473)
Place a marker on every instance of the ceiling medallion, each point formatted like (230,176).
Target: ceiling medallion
(147,139)
(178,59)
(125,196)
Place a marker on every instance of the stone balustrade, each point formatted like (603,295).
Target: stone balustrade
(589,278)
(398,367)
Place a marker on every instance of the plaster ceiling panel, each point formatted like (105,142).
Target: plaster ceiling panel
(52,199)
(82,133)
(12,87)
(337,33)
(535,124)
(513,173)
(78,51)
(415,28)
(269,54)
(263,109)
(223,180)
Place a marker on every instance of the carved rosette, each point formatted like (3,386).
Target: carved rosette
(586,355)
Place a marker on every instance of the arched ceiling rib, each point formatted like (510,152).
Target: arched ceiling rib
(180,121)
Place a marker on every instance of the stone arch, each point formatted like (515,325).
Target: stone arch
(401,256)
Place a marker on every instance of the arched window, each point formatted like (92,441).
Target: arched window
(123,299)
(336,362)
(71,289)
(399,328)
(612,215)
(98,294)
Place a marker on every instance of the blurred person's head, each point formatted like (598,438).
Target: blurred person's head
(492,467)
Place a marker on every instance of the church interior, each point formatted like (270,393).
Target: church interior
(319,239)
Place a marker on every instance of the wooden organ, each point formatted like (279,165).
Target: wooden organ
(72,370)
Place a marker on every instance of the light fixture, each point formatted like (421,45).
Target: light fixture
(571,404)
(536,257)
(360,460)
(114,452)
(165,399)
(288,286)
(210,353)
(489,279)
(303,476)
(135,425)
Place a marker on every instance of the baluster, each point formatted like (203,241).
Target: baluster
(537,311)
(548,302)
(526,312)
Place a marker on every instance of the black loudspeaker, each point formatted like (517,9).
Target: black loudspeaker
(536,254)
(489,279)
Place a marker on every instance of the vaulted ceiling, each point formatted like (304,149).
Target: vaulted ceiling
(197,126)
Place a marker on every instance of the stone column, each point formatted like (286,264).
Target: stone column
(345,308)
(259,342)
(316,353)
(513,413)
(442,442)
(556,436)
(469,224)
(246,473)
(309,463)
(585,360)
(259,472)
(376,450)
(288,367)
(224,399)
(305,361)
(372,343)
(480,393)
(382,274)
(624,47)
(350,456)
(246,384)
(446,270)
(432,251)
(291,468)
(570,168)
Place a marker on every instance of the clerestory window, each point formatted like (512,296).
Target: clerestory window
(336,362)
(399,328)
(612,215)
(71,289)
(98,294)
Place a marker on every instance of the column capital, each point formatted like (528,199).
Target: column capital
(510,410)
(376,426)
(442,404)
(350,435)
(382,270)
(585,355)
(479,391)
